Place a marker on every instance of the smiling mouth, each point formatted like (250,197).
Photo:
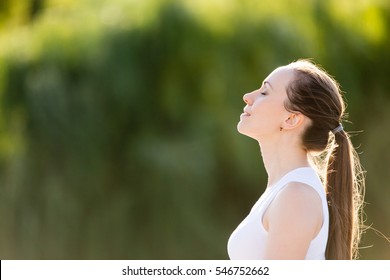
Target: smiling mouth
(245,113)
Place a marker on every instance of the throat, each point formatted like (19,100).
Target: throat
(280,161)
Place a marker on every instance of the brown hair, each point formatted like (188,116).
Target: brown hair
(314,93)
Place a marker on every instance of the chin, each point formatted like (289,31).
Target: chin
(241,129)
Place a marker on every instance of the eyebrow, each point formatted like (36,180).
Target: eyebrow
(266,82)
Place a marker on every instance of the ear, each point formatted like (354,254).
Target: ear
(293,121)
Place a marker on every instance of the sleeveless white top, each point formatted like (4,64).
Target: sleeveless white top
(247,240)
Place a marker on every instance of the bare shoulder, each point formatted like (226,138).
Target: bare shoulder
(300,205)
(293,220)
(296,192)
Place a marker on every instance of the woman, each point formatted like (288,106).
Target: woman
(311,206)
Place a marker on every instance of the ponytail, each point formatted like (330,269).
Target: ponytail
(345,191)
(317,95)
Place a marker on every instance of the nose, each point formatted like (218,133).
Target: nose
(247,98)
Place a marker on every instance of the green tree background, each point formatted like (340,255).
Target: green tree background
(118,119)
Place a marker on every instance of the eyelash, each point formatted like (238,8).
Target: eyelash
(263,93)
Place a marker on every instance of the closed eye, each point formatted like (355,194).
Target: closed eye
(263,93)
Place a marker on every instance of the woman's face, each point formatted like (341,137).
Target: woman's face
(265,112)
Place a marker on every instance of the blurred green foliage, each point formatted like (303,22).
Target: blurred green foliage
(118,119)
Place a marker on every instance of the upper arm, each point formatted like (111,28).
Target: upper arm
(293,219)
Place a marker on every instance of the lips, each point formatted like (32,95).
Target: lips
(246,113)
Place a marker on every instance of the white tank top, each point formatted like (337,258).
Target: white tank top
(247,240)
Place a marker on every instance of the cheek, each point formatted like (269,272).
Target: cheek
(271,110)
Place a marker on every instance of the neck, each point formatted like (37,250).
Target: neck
(282,156)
